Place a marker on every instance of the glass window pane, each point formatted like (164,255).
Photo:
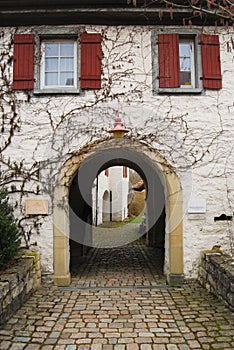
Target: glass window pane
(185,56)
(67,49)
(185,64)
(185,50)
(67,64)
(51,64)
(59,63)
(51,49)
(51,79)
(185,78)
(67,79)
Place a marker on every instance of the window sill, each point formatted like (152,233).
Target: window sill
(56,91)
(179,91)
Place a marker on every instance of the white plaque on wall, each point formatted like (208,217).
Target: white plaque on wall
(197,206)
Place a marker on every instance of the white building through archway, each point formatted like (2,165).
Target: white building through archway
(110,195)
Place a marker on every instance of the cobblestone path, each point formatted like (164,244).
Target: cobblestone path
(125,306)
(130,265)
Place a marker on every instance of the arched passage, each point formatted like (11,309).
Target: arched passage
(163,190)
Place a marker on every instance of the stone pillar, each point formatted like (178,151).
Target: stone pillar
(175,222)
(62,275)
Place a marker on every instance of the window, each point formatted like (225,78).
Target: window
(125,172)
(59,64)
(49,62)
(185,62)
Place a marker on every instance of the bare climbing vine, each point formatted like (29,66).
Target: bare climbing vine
(222,11)
(39,133)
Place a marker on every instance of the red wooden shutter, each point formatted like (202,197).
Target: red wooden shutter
(169,64)
(211,67)
(91,56)
(23,70)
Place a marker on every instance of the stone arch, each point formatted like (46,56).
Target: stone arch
(93,154)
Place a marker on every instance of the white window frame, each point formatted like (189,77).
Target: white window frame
(59,35)
(42,79)
(184,34)
(192,62)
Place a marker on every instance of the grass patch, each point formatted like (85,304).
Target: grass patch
(136,220)
(115,224)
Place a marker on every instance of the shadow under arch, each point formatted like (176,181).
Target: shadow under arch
(163,189)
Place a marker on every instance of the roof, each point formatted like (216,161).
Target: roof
(109,12)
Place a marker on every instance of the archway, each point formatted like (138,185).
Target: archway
(163,188)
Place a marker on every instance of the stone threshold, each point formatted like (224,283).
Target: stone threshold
(119,288)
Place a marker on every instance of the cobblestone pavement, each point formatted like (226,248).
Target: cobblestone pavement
(127,306)
(130,265)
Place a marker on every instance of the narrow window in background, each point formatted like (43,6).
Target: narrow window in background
(187,67)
